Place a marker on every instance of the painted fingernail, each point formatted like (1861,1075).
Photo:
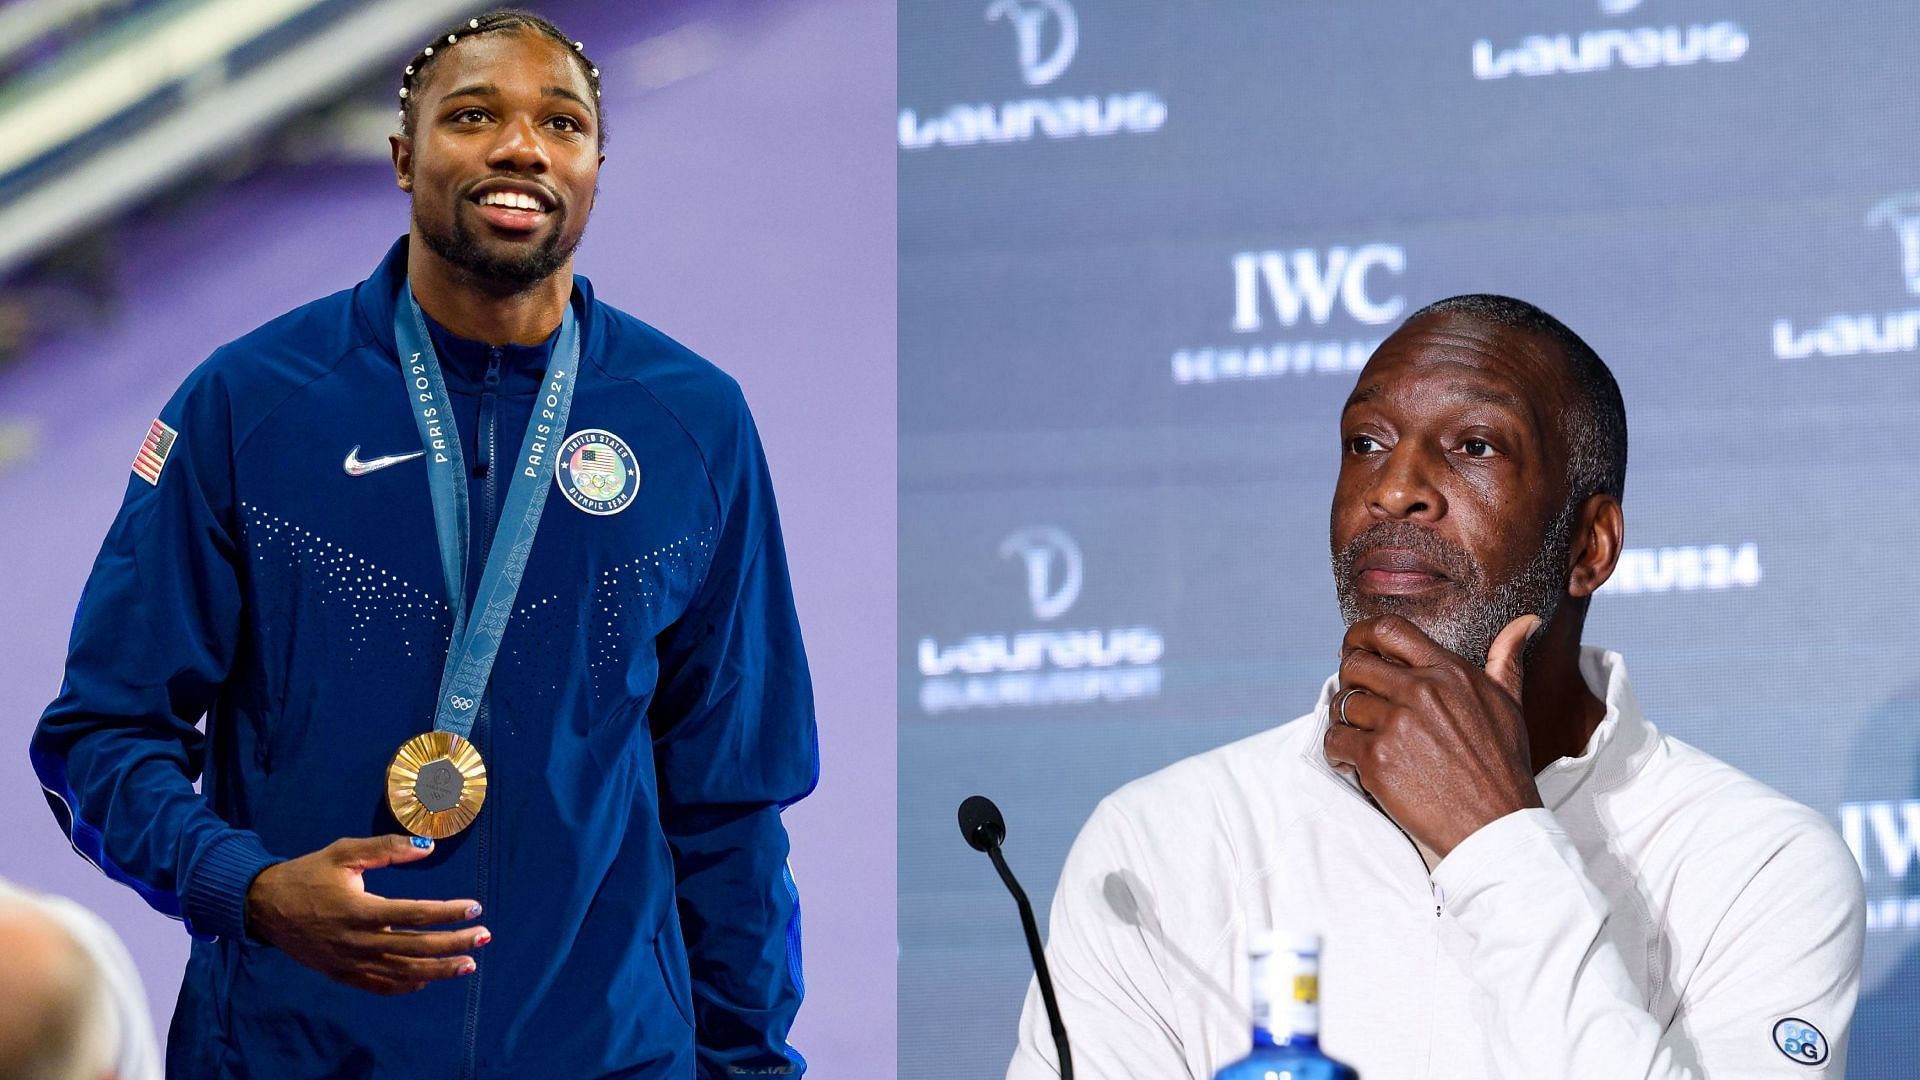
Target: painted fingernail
(422,842)
(467,968)
(482,938)
(473,912)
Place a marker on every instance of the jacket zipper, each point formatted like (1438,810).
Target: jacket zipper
(489,484)
(1432,887)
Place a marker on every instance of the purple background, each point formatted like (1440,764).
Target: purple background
(746,209)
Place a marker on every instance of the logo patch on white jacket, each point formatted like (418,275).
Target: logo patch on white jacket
(1800,1041)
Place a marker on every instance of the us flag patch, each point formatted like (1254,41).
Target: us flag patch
(153,452)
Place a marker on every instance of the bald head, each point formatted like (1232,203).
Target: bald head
(52,1001)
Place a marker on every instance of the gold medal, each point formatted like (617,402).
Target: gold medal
(436,784)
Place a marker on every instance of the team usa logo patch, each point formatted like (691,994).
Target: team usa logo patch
(153,452)
(1800,1041)
(596,472)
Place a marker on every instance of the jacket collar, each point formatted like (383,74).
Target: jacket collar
(375,299)
(1618,748)
(464,362)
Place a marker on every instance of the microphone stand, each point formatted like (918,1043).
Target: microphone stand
(1039,961)
(984,829)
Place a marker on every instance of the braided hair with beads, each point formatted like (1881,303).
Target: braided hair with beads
(505,19)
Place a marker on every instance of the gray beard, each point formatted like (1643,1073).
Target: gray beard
(460,248)
(1481,609)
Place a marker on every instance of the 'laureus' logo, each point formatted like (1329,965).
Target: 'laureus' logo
(1902,212)
(1029,19)
(1040,548)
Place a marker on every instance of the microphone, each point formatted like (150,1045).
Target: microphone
(985,830)
(981,823)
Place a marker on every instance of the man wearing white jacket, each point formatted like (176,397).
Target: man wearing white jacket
(1518,876)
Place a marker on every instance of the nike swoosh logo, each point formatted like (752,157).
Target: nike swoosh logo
(357,467)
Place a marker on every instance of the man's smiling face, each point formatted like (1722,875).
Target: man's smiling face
(504,157)
(1451,507)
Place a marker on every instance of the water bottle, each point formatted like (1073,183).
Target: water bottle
(1286,1013)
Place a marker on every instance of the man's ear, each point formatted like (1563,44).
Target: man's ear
(402,146)
(1596,545)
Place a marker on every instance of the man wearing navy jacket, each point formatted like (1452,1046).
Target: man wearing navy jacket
(328,549)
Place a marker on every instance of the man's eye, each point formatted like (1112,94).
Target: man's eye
(1478,448)
(567,123)
(470,116)
(1362,444)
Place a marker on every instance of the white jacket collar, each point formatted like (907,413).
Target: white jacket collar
(1618,748)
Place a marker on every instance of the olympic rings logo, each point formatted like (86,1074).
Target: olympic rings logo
(462,703)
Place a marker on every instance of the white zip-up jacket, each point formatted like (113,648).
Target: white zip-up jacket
(1663,917)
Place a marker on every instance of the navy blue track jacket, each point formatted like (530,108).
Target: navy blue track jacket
(649,715)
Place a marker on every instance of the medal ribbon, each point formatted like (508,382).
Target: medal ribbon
(476,640)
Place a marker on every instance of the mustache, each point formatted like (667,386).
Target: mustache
(1451,559)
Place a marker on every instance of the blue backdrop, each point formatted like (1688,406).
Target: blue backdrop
(1144,247)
